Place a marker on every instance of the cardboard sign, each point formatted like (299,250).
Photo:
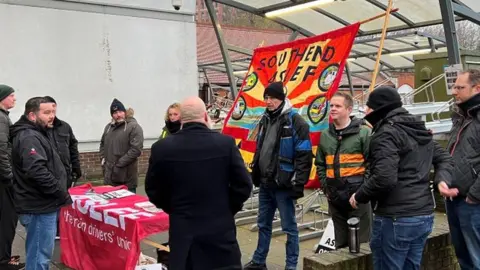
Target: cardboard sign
(327,242)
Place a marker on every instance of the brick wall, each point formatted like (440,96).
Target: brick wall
(92,168)
(438,255)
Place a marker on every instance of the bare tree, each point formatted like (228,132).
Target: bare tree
(468,34)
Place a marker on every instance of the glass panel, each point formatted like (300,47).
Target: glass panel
(362,48)
(391,45)
(312,21)
(418,11)
(396,61)
(473,4)
(416,40)
(260,4)
(354,67)
(358,10)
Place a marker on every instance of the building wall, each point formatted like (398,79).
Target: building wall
(92,169)
(85,53)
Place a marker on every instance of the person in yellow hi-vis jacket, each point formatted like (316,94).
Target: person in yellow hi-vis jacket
(172,120)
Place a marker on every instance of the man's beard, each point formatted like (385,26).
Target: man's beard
(42,124)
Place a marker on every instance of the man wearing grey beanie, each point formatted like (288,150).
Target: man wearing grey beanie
(8,216)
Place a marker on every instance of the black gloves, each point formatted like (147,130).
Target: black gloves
(296,192)
(77,172)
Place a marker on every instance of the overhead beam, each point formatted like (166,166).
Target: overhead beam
(239,50)
(432,45)
(466,12)
(453,49)
(221,62)
(281,5)
(223,46)
(397,15)
(386,52)
(223,70)
(293,36)
(252,10)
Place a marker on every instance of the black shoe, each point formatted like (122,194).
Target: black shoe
(13,265)
(255,266)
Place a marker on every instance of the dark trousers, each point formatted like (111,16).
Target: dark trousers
(464,222)
(340,215)
(8,223)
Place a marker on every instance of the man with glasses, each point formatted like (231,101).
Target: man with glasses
(464,145)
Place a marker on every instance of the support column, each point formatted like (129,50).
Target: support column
(223,46)
(349,77)
(448,19)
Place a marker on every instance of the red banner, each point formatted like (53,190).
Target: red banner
(311,70)
(103,228)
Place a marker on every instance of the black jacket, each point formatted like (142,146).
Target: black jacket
(6,175)
(40,176)
(198,177)
(290,161)
(66,145)
(400,159)
(464,146)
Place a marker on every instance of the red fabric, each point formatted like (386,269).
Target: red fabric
(310,68)
(93,237)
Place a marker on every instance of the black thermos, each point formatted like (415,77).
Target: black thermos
(353,240)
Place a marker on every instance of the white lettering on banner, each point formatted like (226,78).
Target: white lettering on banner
(84,205)
(122,212)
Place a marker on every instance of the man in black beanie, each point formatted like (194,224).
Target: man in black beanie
(8,216)
(401,155)
(120,147)
(281,167)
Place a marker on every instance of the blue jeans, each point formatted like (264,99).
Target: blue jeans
(269,201)
(464,223)
(41,230)
(397,243)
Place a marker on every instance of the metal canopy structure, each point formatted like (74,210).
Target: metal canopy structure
(362,57)
(335,14)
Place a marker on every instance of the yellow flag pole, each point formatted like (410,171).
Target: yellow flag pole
(380,48)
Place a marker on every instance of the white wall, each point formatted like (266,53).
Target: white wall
(84,60)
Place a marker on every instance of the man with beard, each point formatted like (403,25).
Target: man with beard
(8,216)
(120,147)
(281,167)
(464,211)
(39,181)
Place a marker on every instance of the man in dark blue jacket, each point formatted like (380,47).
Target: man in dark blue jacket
(281,167)
(40,181)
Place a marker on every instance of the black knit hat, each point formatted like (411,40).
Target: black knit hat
(5,91)
(275,90)
(382,96)
(116,106)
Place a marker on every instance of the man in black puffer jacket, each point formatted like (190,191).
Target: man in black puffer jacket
(401,155)
(40,181)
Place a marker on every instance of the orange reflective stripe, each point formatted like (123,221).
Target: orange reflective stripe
(344,172)
(330,173)
(345,158)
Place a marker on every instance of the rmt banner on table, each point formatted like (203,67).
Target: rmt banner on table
(310,68)
(97,234)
